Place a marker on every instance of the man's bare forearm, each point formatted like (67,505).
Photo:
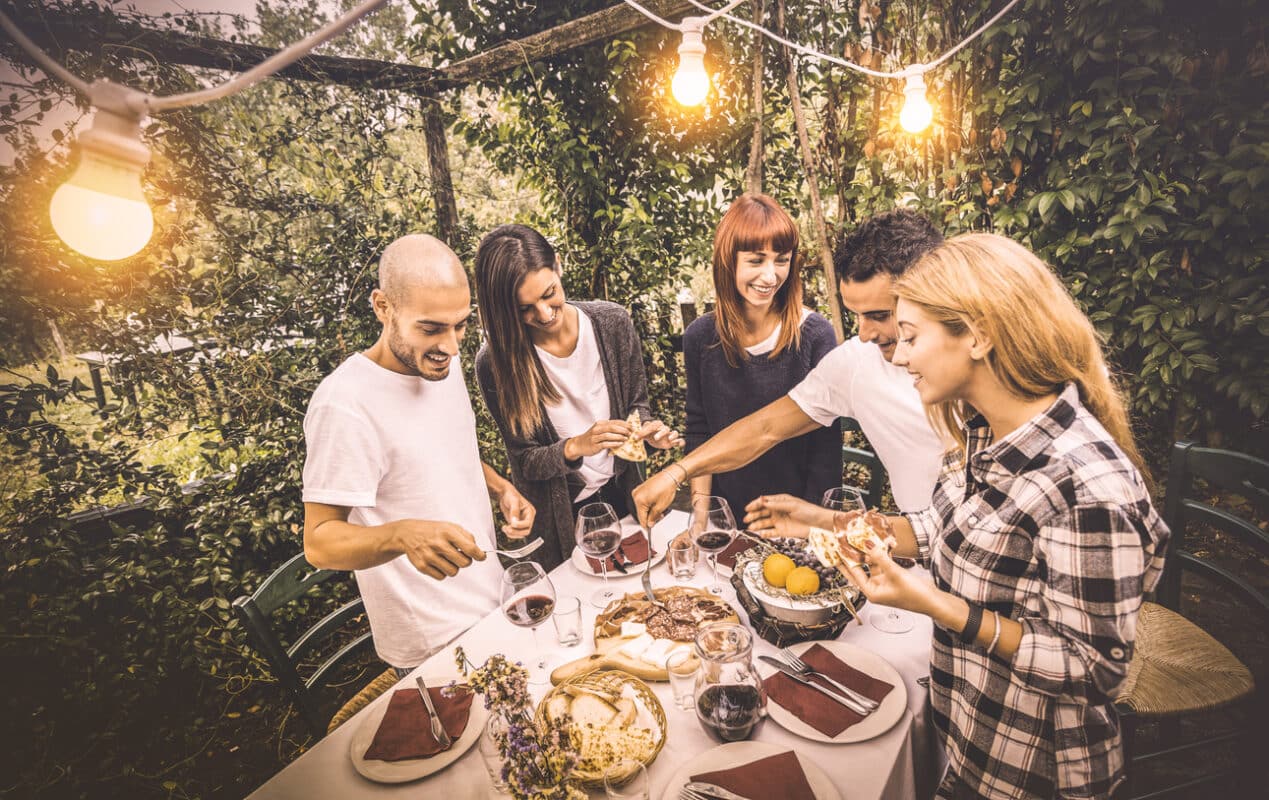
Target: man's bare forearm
(746,439)
(331,542)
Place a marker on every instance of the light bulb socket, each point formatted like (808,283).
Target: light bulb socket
(693,29)
(914,84)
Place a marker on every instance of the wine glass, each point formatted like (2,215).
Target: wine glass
(840,501)
(528,598)
(713,528)
(599,536)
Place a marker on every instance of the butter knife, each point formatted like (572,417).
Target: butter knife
(841,699)
(438,730)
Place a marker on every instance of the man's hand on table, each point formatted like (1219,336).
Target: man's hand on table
(785,515)
(518,512)
(437,549)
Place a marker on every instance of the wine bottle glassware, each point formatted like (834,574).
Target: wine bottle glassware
(528,598)
(599,536)
(713,528)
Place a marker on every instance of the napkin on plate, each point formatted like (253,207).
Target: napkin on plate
(780,776)
(634,549)
(738,545)
(405,732)
(813,708)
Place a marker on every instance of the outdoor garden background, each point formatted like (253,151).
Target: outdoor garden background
(1125,142)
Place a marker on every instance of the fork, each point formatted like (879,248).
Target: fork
(520,552)
(700,790)
(806,669)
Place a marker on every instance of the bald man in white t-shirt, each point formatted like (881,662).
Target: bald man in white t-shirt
(394,487)
(856,379)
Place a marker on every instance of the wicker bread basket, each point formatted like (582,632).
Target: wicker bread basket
(608,684)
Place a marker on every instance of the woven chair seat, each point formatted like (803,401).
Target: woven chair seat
(1178,668)
(386,680)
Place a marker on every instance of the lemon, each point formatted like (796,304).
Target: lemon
(802,580)
(776,568)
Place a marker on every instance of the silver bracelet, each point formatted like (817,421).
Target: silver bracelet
(995,637)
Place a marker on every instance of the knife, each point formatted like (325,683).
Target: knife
(438,730)
(842,699)
(618,560)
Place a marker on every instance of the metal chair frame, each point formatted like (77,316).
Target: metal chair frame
(1244,475)
(293,580)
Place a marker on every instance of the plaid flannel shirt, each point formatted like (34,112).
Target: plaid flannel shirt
(1052,527)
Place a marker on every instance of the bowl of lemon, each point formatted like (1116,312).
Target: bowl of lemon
(792,585)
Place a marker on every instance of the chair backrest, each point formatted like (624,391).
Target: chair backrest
(289,582)
(869,460)
(1227,470)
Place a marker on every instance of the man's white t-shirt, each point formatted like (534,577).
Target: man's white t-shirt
(579,378)
(855,380)
(391,447)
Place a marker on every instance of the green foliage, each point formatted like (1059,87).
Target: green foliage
(1124,142)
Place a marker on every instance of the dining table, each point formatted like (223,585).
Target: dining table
(902,763)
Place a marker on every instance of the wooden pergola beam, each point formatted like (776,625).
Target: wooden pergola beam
(100,29)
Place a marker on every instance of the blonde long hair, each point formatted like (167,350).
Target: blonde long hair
(1040,338)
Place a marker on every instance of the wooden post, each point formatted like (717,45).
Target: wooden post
(753,175)
(812,185)
(438,165)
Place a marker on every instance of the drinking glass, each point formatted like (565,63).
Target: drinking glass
(599,536)
(682,556)
(844,498)
(528,598)
(713,528)
(892,620)
(681,667)
(568,620)
(626,779)
(495,728)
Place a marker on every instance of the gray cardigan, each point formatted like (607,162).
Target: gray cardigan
(538,467)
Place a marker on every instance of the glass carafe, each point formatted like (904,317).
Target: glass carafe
(730,701)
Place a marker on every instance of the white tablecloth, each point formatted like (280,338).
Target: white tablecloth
(901,764)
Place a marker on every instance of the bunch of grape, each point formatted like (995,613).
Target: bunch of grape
(802,557)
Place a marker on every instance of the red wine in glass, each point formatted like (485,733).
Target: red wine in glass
(714,541)
(729,712)
(598,535)
(529,610)
(601,543)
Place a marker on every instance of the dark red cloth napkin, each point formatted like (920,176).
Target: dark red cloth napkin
(774,776)
(826,716)
(738,545)
(405,732)
(634,549)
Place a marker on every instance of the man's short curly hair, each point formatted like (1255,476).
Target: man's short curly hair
(888,243)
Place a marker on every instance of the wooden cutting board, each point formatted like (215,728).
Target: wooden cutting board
(698,604)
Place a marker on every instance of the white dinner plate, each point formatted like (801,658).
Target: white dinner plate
(412,769)
(660,543)
(734,754)
(878,722)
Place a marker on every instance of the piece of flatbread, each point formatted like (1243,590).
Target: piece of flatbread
(633,448)
(826,545)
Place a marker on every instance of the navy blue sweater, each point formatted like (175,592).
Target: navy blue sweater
(719,394)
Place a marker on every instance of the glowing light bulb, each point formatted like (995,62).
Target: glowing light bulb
(101,211)
(916,114)
(691,81)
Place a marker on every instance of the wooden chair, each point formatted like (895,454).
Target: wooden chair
(1178,669)
(869,460)
(290,582)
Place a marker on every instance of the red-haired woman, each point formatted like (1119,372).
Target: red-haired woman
(756,345)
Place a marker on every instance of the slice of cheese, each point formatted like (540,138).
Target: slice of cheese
(658,652)
(635,647)
(630,630)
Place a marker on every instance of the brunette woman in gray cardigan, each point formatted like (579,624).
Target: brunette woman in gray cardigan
(560,379)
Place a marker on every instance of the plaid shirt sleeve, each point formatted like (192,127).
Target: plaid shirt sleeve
(924,525)
(1077,637)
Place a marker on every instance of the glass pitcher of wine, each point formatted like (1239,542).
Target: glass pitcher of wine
(730,701)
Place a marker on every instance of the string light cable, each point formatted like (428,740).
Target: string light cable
(101,210)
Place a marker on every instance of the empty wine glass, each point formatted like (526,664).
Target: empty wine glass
(713,528)
(528,598)
(843,500)
(599,536)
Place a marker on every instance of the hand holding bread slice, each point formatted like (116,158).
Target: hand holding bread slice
(633,448)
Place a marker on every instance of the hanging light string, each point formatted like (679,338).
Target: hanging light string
(915,69)
(149,103)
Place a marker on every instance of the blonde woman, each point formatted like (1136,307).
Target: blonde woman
(1041,537)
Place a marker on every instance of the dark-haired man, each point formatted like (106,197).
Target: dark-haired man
(855,380)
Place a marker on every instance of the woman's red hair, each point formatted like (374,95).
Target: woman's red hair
(755,222)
